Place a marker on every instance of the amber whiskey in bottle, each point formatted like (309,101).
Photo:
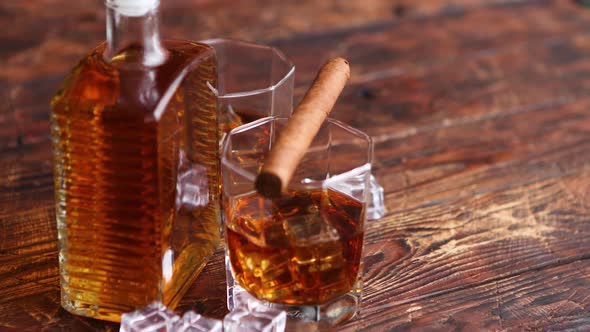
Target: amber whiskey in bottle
(135,139)
(302,248)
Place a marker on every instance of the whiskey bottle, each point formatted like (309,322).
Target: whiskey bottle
(135,142)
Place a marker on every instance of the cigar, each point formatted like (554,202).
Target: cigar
(301,128)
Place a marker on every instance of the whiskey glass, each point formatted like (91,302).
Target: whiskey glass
(302,252)
(254,81)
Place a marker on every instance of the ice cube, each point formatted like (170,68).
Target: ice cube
(255,317)
(267,270)
(309,229)
(274,234)
(353,184)
(320,269)
(237,297)
(193,322)
(192,188)
(153,318)
(250,215)
(375,206)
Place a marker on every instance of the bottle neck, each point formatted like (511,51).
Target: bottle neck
(133,36)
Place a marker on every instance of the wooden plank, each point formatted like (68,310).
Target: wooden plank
(42,312)
(469,239)
(503,150)
(442,96)
(205,296)
(391,49)
(552,299)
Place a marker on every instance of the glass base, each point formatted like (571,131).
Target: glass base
(329,314)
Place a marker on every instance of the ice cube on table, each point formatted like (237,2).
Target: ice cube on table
(193,322)
(153,318)
(239,297)
(255,317)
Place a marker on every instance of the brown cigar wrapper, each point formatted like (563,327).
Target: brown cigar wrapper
(301,128)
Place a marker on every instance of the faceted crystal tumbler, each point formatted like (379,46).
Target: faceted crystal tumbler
(302,252)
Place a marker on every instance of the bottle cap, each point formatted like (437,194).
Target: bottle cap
(133,7)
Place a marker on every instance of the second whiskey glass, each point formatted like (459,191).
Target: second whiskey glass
(254,81)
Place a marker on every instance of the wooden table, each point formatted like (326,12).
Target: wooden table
(480,112)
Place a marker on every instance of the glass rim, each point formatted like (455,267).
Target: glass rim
(253,92)
(132,9)
(312,183)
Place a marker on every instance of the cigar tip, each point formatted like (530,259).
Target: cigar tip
(339,60)
(268,185)
(341,63)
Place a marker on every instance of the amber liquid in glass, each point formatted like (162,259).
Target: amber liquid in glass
(122,137)
(303,248)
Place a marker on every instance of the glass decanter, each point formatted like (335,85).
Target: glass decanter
(136,144)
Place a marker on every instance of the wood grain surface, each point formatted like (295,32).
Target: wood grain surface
(480,111)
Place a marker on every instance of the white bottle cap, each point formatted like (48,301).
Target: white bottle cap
(133,7)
